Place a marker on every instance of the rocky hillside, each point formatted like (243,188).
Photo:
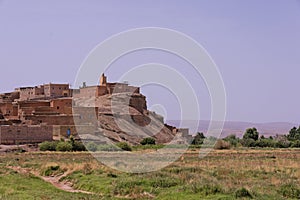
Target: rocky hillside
(124,117)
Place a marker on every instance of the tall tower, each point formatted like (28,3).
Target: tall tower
(103,79)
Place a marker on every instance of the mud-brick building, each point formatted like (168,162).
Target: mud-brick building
(105,88)
(50,90)
(22,134)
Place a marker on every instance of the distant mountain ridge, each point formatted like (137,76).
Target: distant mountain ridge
(238,128)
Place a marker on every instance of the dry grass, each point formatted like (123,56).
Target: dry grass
(262,172)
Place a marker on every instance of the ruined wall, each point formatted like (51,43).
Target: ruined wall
(25,134)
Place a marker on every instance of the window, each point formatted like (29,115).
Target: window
(57,107)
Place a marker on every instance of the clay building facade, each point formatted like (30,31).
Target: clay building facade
(56,90)
(49,90)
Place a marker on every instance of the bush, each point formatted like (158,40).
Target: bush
(283,143)
(198,139)
(91,146)
(48,146)
(296,144)
(78,146)
(248,142)
(64,146)
(206,189)
(50,170)
(242,193)
(232,139)
(221,144)
(107,147)
(265,143)
(148,140)
(124,146)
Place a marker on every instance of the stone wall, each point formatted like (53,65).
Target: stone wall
(25,134)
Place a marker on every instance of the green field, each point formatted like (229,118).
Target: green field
(223,174)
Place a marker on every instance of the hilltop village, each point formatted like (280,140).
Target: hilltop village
(54,111)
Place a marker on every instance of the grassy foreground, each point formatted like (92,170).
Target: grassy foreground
(223,174)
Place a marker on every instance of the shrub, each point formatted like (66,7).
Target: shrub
(265,143)
(198,139)
(78,146)
(206,189)
(50,170)
(148,140)
(242,193)
(248,142)
(112,175)
(91,146)
(283,143)
(221,144)
(64,146)
(48,146)
(232,139)
(125,146)
(296,144)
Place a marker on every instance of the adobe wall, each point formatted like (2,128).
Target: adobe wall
(88,92)
(56,90)
(121,88)
(52,119)
(25,134)
(92,91)
(61,131)
(6,109)
(27,93)
(33,104)
(62,106)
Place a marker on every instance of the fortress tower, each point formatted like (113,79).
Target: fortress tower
(103,79)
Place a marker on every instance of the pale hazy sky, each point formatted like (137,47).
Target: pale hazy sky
(255,44)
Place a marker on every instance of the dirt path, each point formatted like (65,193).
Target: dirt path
(54,180)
